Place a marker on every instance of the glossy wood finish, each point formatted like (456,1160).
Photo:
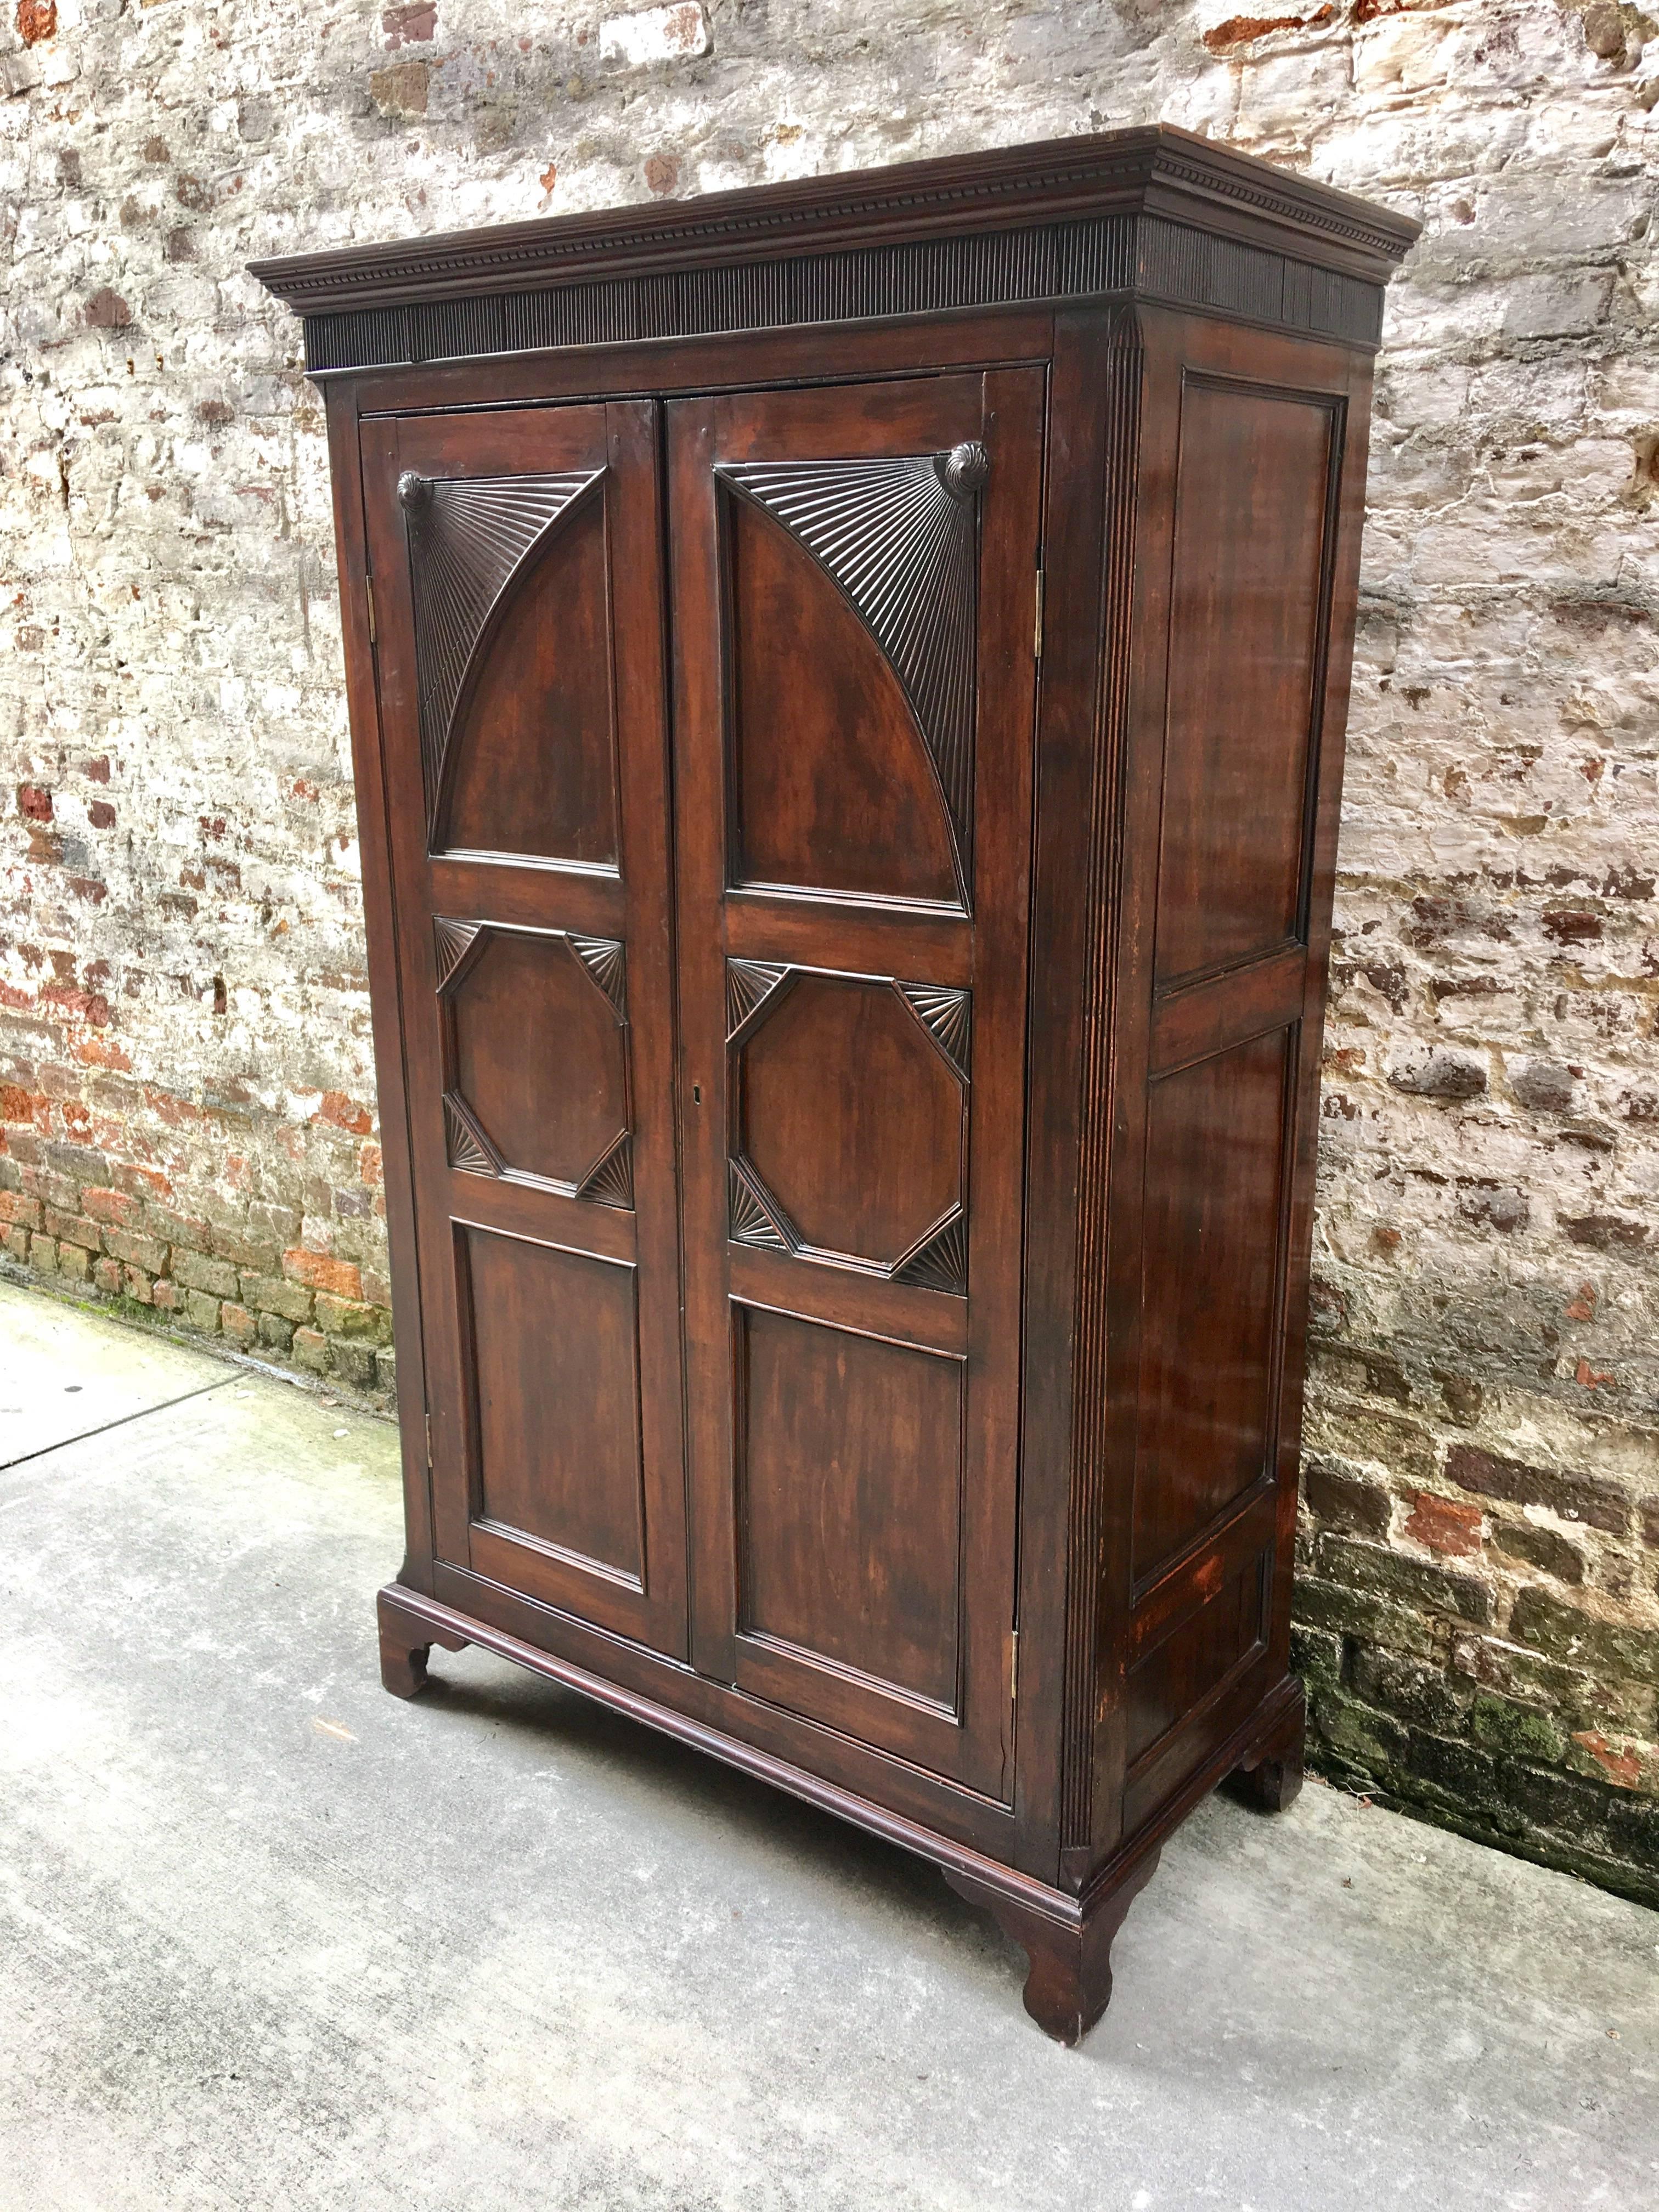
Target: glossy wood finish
(850,1196)
(538,1043)
(862,1128)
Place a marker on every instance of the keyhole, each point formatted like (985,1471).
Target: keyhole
(696,1094)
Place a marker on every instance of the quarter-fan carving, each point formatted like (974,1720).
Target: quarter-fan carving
(602,957)
(748,983)
(611,1183)
(468,538)
(944,1015)
(466,1144)
(756,1216)
(899,535)
(940,1261)
(454,940)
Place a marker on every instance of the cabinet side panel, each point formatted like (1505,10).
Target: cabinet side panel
(1250,480)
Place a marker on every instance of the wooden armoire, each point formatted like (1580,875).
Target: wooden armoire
(847,683)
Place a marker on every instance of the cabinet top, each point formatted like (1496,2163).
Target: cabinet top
(1060,219)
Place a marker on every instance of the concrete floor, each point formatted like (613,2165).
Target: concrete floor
(271,1938)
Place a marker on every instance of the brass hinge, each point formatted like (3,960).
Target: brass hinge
(1036,638)
(428,1440)
(1013,1665)
(368,595)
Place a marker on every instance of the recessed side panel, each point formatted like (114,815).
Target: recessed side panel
(532,765)
(1183,1697)
(1247,619)
(850,1460)
(832,786)
(555,1369)
(1180,1672)
(1212,1232)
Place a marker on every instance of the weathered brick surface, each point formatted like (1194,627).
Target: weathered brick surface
(184,1055)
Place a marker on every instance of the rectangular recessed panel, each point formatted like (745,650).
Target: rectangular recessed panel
(1249,557)
(555,1363)
(850,1452)
(1181,1671)
(1212,1230)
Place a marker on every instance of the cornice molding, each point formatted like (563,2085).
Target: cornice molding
(1156,170)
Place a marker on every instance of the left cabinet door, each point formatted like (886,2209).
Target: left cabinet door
(516,558)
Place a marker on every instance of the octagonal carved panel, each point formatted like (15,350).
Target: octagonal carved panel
(848,1136)
(536,1057)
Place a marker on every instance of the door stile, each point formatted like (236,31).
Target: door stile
(697,627)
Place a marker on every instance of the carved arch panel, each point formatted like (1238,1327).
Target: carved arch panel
(897,536)
(509,590)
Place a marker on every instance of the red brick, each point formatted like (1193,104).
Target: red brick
(169,1297)
(73,1229)
(345,1113)
(106,1274)
(139,1286)
(1444,1524)
(146,1252)
(311,1348)
(237,1323)
(16,1208)
(112,1206)
(33,803)
(318,1273)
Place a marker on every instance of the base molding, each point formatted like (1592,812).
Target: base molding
(1068,1954)
(1067,1939)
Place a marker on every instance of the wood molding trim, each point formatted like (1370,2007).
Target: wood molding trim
(1157,213)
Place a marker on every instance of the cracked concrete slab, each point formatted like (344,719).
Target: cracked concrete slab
(65,1373)
(270,1938)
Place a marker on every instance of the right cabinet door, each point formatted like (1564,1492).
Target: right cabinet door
(853,600)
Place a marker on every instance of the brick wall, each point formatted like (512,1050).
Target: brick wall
(189,1100)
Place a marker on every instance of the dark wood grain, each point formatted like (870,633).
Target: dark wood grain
(552,1048)
(849,1523)
(850,1197)
(863,1169)
(535,768)
(844,1115)
(831,785)
(1215,1191)
(1252,489)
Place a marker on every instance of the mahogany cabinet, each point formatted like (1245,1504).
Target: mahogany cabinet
(847,684)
